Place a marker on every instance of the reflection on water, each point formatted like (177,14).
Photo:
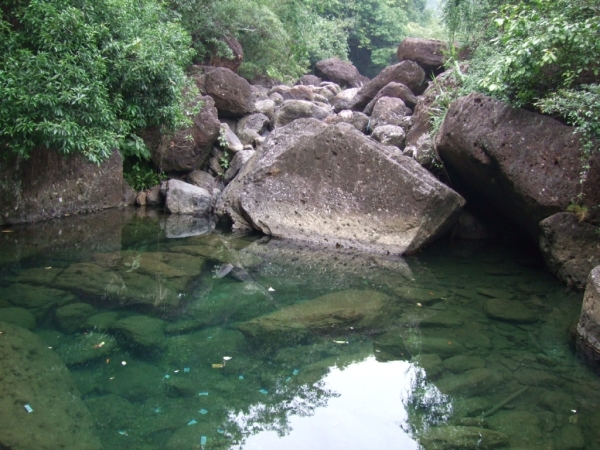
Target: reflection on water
(222,342)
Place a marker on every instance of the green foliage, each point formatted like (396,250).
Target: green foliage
(141,174)
(84,76)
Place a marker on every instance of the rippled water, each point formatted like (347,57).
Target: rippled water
(216,341)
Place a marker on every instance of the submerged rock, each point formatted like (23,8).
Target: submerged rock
(330,314)
(32,375)
(141,334)
(73,317)
(509,311)
(303,170)
(19,317)
(464,438)
(87,348)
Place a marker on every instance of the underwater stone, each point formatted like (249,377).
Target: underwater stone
(330,314)
(462,363)
(19,317)
(470,383)
(464,438)
(71,318)
(140,333)
(33,374)
(86,348)
(509,311)
(569,437)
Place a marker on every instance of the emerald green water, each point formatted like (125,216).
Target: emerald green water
(427,358)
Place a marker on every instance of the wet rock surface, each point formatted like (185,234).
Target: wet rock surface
(588,328)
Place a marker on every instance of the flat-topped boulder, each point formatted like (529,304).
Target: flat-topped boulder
(340,72)
(430,54)
(332,185)
(33,376)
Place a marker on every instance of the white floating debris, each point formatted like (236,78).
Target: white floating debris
(28,408)
(123,433)
(419,305)
(271,289)
(574,411)
(340,342)
(176,371)
(226,358)
(123,363)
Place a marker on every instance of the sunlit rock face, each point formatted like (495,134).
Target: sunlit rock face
(332,185)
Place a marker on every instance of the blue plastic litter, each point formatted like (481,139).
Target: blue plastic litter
(192,422)
(288,379)
(203,411)
(210,337)
(295,372)
(203,440)
(241,377)
(263,391)
(167,376)
(220,431)
(202,393)
(157,410)
(186,370)
(28,408)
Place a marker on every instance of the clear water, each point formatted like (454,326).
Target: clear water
(442,357)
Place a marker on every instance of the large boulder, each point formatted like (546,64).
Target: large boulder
(185,198)
(570,248)
(430,54)
(340,72)
(189,148)
(33,376)
(389,204)
(407,72)
(252,127)
(394,90)
(390,111)
(524,164)
(344,99)
(588,328)
(298,109)
(50,184)
(232,94)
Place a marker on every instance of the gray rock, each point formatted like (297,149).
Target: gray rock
(423,151)
(394,90)
(102,321)
(358,120)
(390,135)
(344,99)
(18,316)
(406,72)
(569,437)
(569,247)
(141,334)
(189,148)
(154,197)
(73,317)
(252,127)
(340,72)
(430,54)
(266,107)
(522,427)
(204,180)
(588,328)
(389,111)
(228,140)
(34,375)
(482,144)
(37,300)
(302,169)
(236,164)
(324,92)
(298,93)
(463,438)
(292,110)
(509,311)
(232,94)
(309,80)
(185,198)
